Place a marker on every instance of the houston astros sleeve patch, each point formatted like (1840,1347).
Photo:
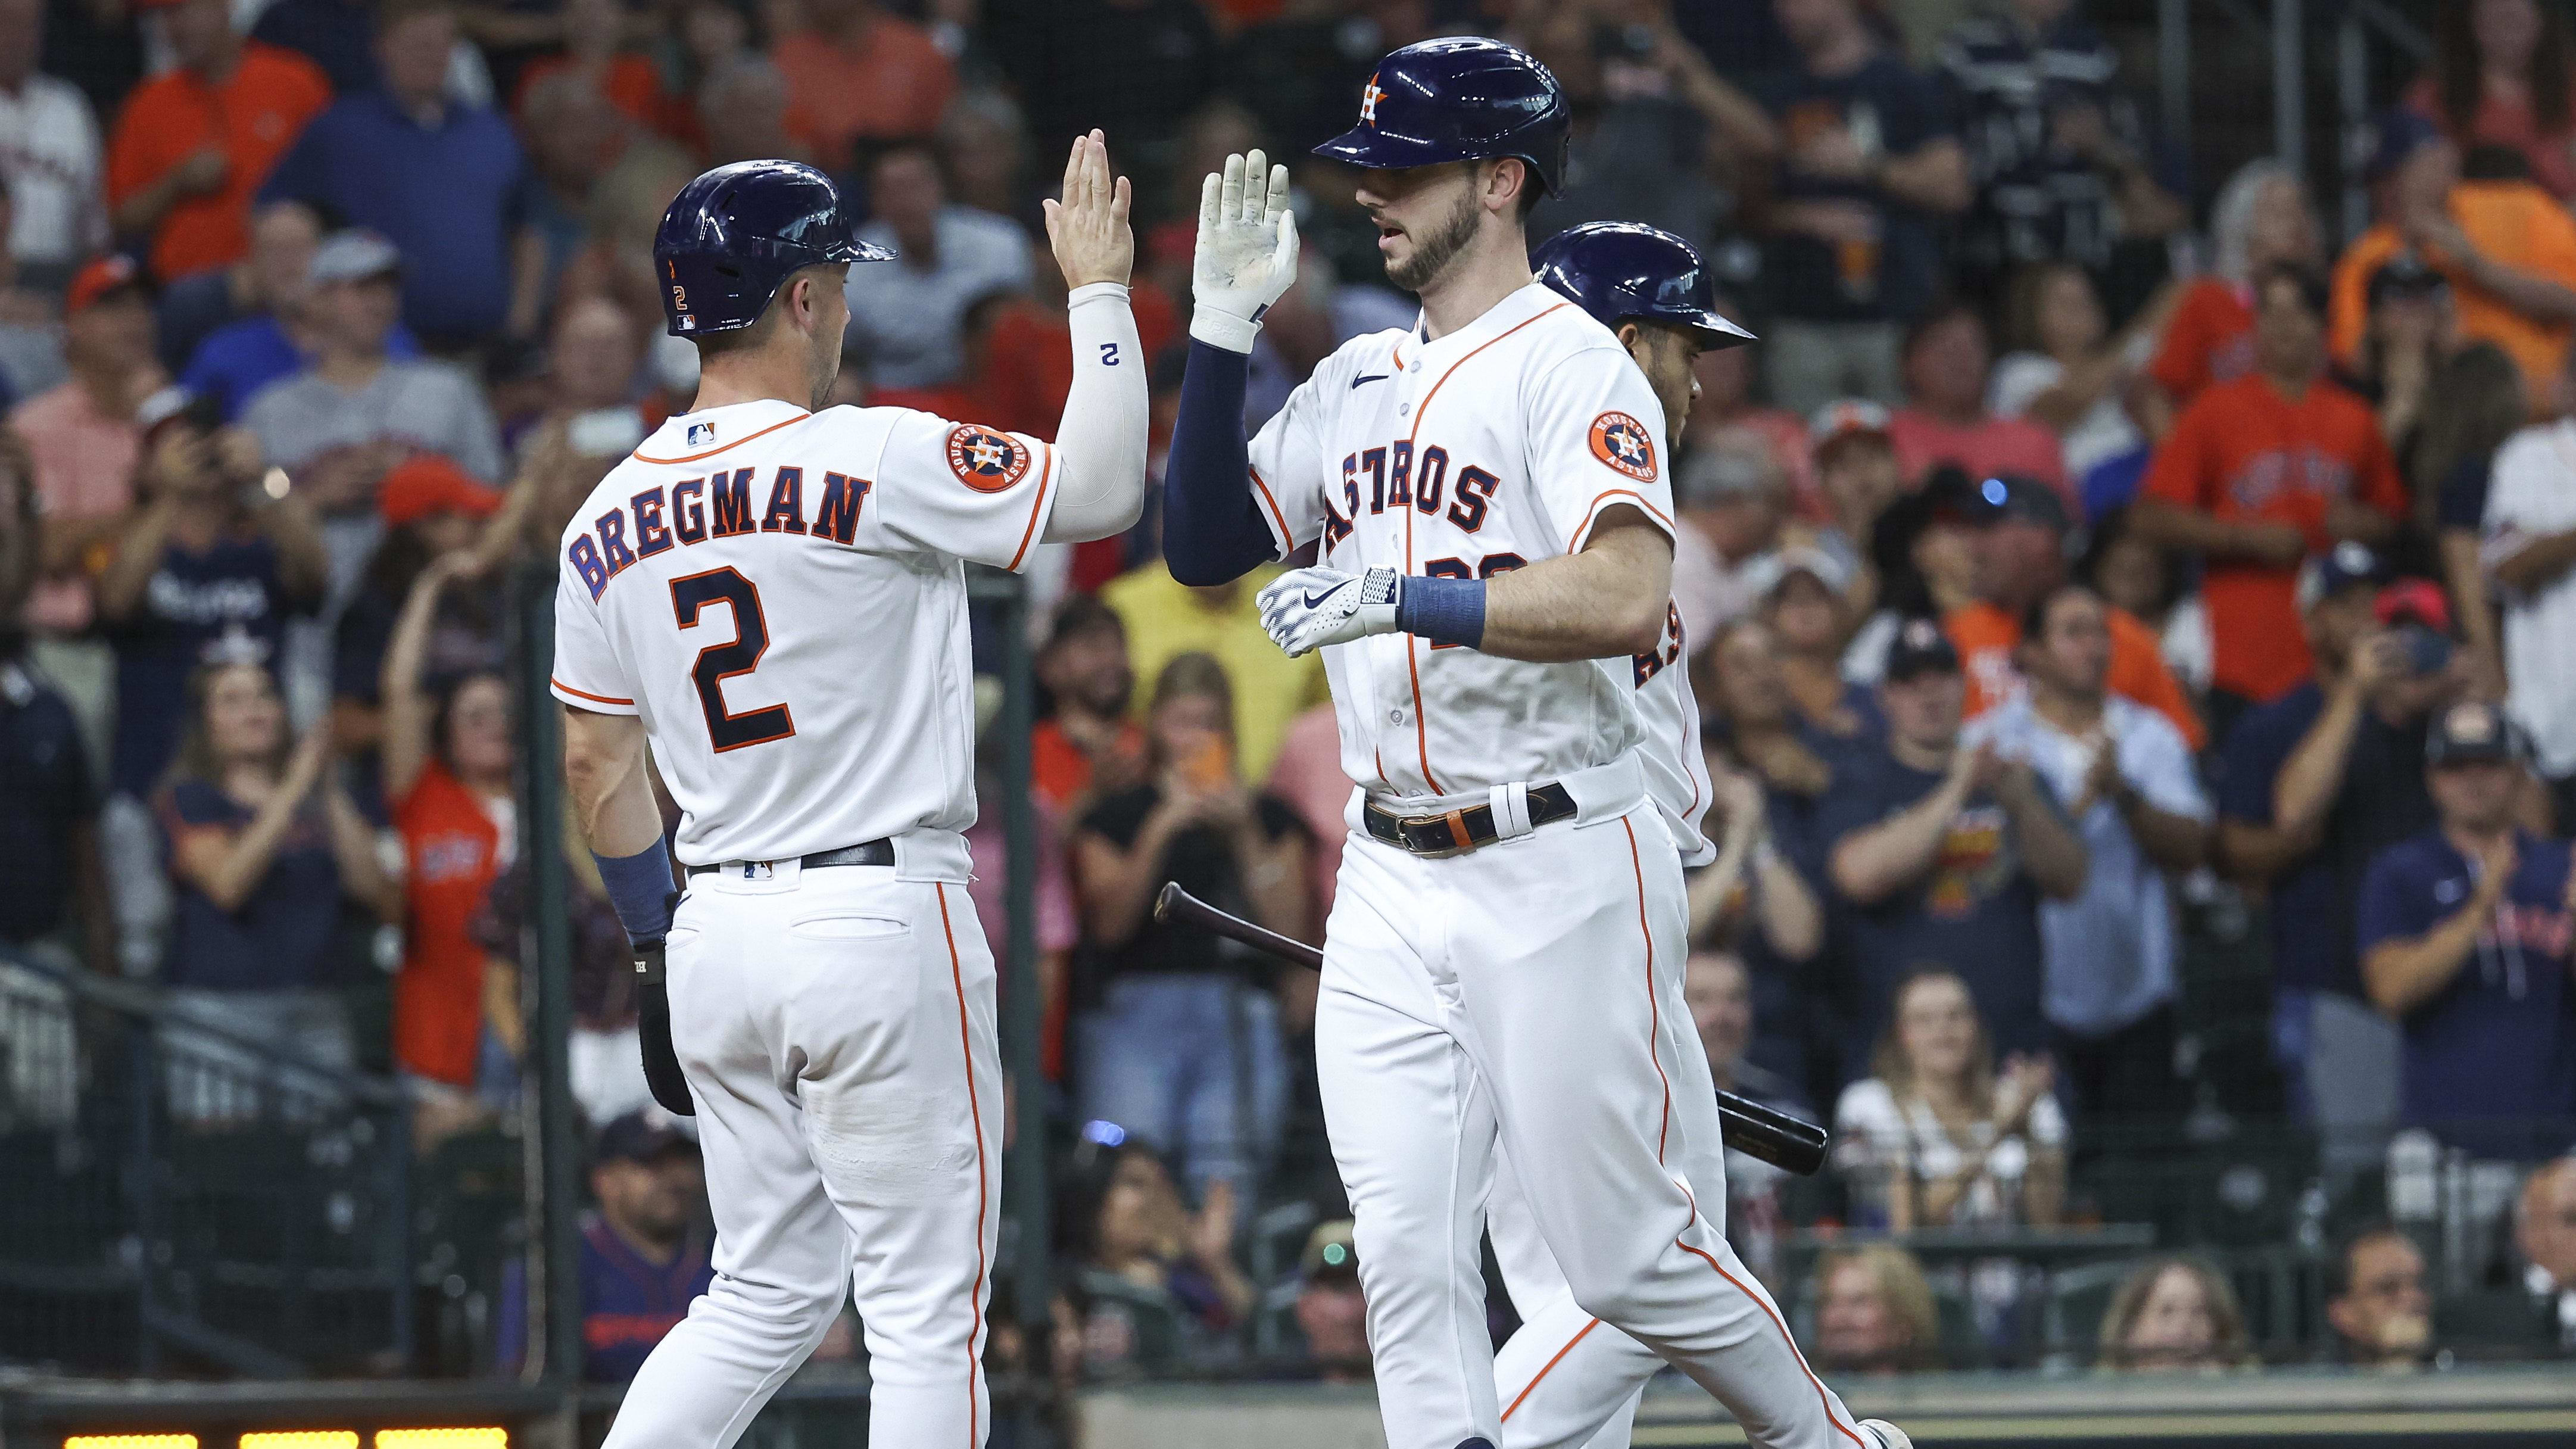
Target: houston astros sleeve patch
(1622,442)
(985,460)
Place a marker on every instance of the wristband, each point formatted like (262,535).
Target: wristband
(1224,329)
(1444,611)
(639,888)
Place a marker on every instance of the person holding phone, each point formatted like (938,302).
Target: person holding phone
(1180,1044)
(206,557)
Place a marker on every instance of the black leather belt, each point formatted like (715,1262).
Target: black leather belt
(1452,832)
(874,852)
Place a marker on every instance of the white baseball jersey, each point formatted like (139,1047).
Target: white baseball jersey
(1676,770)
(780,595)
(1489,449)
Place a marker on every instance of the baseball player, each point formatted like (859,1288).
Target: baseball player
(1486,497)
(771,595)
(1562,1371)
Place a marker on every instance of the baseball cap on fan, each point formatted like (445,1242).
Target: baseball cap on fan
(2347,565)
(353,256)
(105,278)
(1919,647)
(2473,732)
(1764,575)
(640,1136)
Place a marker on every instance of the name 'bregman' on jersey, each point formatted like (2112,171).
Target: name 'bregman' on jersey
(1487,450)
(779,594)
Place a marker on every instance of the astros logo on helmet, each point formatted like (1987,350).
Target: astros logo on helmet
(1368,103)
(985,460)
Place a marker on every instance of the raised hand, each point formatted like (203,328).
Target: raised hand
(1247,251)
(1088,227)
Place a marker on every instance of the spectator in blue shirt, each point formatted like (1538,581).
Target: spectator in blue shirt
(445,181)
(194,565)
(2136,800)
(262,843)
(277,333)
(1867,165)
(645,1253)
(1941,851)
(2464,937)
(2311,787)
(283,235)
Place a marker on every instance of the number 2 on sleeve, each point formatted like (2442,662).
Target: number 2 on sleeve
(720,662)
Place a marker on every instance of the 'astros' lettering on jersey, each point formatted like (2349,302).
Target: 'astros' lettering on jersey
(779,594)
(1488,449)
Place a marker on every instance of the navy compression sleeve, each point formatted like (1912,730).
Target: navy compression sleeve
(1212,529)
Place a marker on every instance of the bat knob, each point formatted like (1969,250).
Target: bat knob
(1163,900)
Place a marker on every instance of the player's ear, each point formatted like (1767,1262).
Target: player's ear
(1628,334)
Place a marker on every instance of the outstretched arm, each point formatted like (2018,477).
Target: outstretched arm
(1213,531)
(1101,442)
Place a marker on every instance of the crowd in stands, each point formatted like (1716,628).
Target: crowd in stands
(2073,569)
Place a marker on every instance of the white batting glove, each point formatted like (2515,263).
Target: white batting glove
(1306,609)
(1247,251)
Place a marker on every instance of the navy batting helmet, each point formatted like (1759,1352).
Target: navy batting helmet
(1618,270)
(1458,99)
(735,235)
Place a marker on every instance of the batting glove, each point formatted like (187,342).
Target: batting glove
(1247,252)
(1306,609)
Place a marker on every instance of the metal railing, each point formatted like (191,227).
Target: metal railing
(178,1193)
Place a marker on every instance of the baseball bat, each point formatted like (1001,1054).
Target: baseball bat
(1749,1127)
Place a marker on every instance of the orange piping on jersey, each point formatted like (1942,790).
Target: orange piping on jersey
(736,443)
(1603,501)
(1654,1012)
(1421,410)
(1035,505)
(1287,541)
(586,694)
(983,1190)
(1532,1385)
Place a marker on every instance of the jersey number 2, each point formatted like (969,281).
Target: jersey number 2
(720,662)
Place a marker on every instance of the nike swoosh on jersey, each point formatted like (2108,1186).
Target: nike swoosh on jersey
(1368,377)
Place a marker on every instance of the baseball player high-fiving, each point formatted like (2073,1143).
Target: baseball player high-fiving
(1487,501)
(771,594)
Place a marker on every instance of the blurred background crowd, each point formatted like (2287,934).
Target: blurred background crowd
(2132,618)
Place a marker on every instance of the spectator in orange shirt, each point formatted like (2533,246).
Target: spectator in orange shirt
(1089,746)
(594,49)
(859,74)
(2020,550)
(2507,248)
(1947,357)
(2258,474)
(193,144)
(448,762)
(2262,218)
(2500,76)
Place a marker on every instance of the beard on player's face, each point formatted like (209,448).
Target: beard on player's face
(1439,245)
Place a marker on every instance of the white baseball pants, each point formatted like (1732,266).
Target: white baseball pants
(837,1030)
(1527,997)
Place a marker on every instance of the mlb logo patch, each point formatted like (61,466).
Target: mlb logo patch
(701,433)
